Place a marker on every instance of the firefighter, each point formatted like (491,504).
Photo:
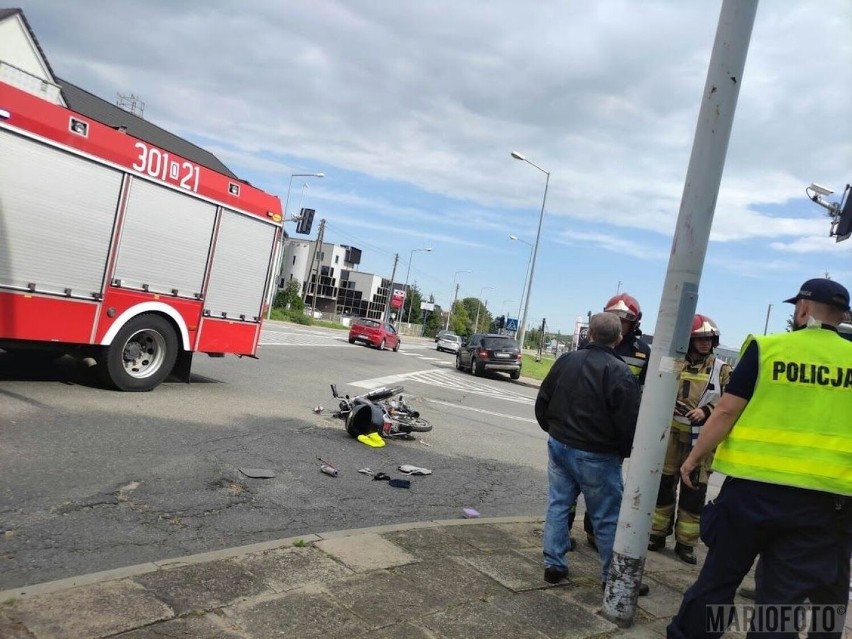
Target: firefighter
(632,349)
(635,354)
(700,384)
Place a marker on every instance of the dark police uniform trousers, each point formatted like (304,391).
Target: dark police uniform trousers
(802,536)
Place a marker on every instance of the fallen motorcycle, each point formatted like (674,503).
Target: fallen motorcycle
(383,410)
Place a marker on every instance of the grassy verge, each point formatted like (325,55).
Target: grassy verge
(536,370)
(300,318)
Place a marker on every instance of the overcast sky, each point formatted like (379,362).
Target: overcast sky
(411,109)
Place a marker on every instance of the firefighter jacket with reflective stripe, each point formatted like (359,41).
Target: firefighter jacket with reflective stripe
(700,385)
(797,428)
(635,354)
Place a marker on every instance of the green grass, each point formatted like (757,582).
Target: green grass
(536,370)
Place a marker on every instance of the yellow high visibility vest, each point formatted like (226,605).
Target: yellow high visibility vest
(796,430)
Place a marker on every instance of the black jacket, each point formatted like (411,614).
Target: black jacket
(636,353)
(590,401)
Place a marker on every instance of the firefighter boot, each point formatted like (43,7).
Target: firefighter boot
(686,553)
(656,542)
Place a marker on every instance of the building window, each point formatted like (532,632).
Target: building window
(294,260)
(336,259)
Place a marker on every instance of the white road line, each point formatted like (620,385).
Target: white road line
(447,379)
(480,410)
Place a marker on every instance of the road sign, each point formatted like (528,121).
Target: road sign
(511,324)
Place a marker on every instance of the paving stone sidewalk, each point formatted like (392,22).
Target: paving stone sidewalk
(464,578)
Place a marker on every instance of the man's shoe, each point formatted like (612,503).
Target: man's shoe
(686,553)
(656,542)
(644,589)
(590,538)
(554,575)
(747,593)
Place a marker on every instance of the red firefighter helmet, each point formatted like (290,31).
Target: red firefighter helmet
(625,306)
(703,326)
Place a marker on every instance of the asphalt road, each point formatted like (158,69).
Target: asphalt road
(94,479)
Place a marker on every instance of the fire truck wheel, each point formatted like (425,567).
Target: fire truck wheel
(142,354)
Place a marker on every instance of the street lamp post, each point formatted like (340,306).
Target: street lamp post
(453,294)
(524,288)
(290,185)
(523,327)
(407,273)
(302,196)
(479,307)
(276,272)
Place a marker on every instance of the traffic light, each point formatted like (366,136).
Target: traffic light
(501,322)
(844,220)
(306,219)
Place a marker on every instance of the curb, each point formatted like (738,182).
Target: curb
(68,583)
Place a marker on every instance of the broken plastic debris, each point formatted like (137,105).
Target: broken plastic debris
(318,409)
(414,470)
(257,473)
(470,513)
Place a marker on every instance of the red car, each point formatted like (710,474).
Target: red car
(374,333)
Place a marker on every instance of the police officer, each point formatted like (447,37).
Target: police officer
(786,448)
(701,382)
(635,354)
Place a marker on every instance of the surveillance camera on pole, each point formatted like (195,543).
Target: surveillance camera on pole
(839,212)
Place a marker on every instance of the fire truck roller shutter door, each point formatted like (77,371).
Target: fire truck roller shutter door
(165,240)
(57,216)
(240,268)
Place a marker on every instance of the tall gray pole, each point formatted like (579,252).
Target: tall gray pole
(677,306)
(316,258)
(766,323)
(523,327)
(390,288)
(521,303)
(279,258)
(405,286)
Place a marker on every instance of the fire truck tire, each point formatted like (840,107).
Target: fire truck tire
(142,354)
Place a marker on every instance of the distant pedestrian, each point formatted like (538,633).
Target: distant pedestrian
(786,449)
(588,404)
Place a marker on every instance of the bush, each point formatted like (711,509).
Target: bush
(289,298)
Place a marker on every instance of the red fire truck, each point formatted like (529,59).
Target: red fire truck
(122,251)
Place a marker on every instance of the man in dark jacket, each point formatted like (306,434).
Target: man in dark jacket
(588,404)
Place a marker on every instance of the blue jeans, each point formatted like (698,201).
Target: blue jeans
(598,477)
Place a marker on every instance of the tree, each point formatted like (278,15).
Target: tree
(289,297)
(412,301)
(433,319)
(460,321)
(474,306)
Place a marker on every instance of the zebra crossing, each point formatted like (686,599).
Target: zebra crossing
(301,338)
(448,379)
